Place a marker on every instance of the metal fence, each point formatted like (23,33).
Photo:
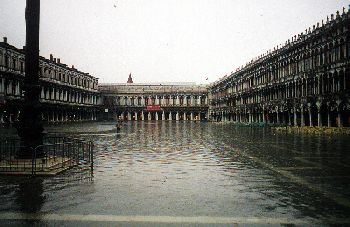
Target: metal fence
(56,154)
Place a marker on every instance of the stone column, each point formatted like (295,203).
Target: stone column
(263,115)
(149,116)
(9,90)
(170,116)
(1,117)
(135,114)
(289,118)
(302,116)
(177,116)
(199,116)
(1,84)
(192,101)
(177,100)
(310,117)
(156,116)
(329,119)
(185,116)
(163,116)
(319,117)
(191,116)
(295,117)
(339,120)
(143,100)
(142,116)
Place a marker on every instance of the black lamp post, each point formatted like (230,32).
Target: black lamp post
(29,127)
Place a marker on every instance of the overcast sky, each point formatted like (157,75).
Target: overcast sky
(163,40)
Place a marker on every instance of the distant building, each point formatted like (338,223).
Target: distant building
(155,101)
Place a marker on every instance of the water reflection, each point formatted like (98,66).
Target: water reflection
(30,195)
(201,169)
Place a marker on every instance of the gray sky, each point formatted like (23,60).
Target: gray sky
(163,40)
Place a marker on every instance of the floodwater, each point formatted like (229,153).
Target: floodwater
(189,173)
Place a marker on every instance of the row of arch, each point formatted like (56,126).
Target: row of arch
(162,115)
(329,114)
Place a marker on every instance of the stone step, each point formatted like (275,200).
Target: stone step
(51,165)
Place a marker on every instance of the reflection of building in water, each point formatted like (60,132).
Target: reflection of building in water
(304,82)
(66,93)
(156,101)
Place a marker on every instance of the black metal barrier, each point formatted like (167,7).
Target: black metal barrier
(57,153)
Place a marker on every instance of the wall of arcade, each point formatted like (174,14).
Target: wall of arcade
(304,82)
(61,86)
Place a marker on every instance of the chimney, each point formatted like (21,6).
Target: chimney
(58,60)
(54,60)
(5,39)
(51,57)
(72,66)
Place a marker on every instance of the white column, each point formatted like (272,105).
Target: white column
(192,101)
(339,120)
(170,117)
(295,117)
(2,85)
(129,116)
(185,116)
(199,116)
(1,117)
(17,88)
(163,116)
(177,116)
(329,119)
(302,116)
(142,116)
(191,116)
(177,100)
(156,116)
(149,116)
(135,116)
(319,120)
(9,90)
(310,117)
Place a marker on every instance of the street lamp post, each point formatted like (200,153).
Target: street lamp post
(29,127)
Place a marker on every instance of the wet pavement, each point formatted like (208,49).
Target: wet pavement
(188,173)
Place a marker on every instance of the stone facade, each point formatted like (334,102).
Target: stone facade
(67,94)
(304,82)
(161,101)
